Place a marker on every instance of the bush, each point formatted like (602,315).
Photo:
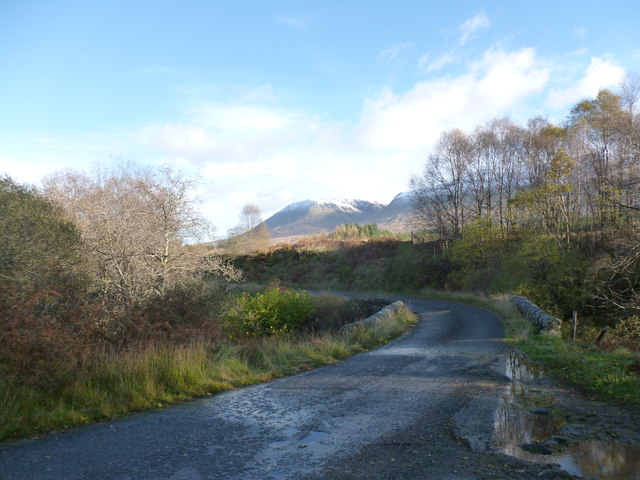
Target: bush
(628,328)
(275,311)
(41,350)
(537,268)
(184,311)
(414,267)
(45,319)
(325,315)
(40,251)
(476,257)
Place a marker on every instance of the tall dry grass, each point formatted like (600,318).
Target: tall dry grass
(151,375)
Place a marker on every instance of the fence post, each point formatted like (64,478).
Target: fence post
(574,325)
(602,334)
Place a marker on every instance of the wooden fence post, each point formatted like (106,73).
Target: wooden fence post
(602,334)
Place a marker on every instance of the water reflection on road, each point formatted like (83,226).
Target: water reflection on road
(516,425)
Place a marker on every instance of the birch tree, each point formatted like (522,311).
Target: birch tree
(440,192)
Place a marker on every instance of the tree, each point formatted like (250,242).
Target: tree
(348,230)
(250,217)
(40,250)
(541,141)
(573,190)
(251,234)
(616,275)
(134,222)
(552,204)
(480,173)
(630,136)
(439,193)
(597,126)
(507,169)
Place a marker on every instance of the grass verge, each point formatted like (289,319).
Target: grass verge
(588,367)
(154,375)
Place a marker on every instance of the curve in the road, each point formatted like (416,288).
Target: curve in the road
(449,367)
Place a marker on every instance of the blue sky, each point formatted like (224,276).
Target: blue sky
(271,102)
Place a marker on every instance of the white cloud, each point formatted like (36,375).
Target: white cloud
(30,172)
(243,118)
(427,65)
(299,172)
(253,149)
(390,53)
(266,155)
(28,161)
(491,87)
(600,73)
(238,131)
(473,25)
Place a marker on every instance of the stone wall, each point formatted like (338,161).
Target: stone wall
(386,313)
(544,322)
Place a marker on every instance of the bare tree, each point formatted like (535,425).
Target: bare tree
(540,143)
(630,95)
(134,222)
(250,217)
(505,140)
(479,174)
(440,194)
(251,234)
(630,135)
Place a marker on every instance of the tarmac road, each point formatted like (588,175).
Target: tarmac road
(420,407)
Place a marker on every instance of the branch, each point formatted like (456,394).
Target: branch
(630,207)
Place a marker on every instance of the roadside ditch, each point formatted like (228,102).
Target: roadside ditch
(539,421)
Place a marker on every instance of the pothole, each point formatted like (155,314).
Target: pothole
(528,427)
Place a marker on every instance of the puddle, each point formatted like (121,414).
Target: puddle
(522,371)
(516,425)
(597,459)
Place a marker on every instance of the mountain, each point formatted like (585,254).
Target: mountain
(320,216)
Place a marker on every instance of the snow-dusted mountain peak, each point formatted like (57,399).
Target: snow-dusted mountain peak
(347,206)
(404,196)
(324,215)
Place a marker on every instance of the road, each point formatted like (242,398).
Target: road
(420,407)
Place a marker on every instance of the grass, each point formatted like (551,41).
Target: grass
(590,368)
(155,375)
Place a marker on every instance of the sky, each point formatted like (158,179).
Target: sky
(274,102)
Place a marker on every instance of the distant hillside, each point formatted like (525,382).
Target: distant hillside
(320,216)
